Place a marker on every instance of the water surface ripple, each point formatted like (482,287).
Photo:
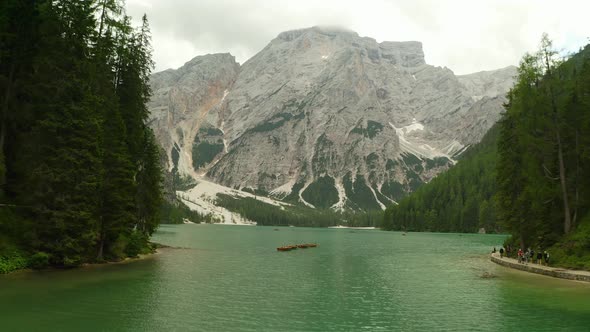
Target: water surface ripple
(232,279)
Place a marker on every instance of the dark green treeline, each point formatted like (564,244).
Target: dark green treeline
(79,169)
(265,214)
(544,156)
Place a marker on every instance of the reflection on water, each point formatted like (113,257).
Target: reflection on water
(233,279)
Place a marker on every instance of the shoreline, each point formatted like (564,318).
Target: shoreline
(351,227)
(555,272)
(158,249)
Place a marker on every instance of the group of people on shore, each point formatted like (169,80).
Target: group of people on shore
(524,257)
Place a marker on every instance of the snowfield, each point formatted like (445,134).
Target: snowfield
(201,198)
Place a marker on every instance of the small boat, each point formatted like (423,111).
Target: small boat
(286,248)
(302,246)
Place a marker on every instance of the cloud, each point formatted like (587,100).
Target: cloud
(463,35)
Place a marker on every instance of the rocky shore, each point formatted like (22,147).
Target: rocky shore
(541,269)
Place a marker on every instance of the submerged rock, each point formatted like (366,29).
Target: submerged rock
(488,275)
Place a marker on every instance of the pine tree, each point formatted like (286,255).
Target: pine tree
(149,182)
(76,157)
(62,155)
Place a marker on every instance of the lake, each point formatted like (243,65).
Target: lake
(231,278)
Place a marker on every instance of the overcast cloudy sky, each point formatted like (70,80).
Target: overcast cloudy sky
(464,35)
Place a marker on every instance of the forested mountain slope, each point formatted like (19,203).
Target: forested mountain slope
(458,200)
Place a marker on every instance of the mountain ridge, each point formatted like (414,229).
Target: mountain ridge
(326,109)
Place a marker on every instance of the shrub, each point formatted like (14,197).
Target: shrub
(137,244)
(39,261)
(573,251)
(12,261)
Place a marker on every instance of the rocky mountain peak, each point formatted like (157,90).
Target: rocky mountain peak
(330,31)
(209,60)
(405,54)
(323,117)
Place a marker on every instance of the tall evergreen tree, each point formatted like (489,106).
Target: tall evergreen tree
(541,156)
(77,161)
(62,159)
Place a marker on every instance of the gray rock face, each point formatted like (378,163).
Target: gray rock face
(324,117)
(489,83)
(186,101)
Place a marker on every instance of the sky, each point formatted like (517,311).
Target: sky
(464,35)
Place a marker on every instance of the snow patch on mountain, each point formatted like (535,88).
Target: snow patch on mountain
(202,197)
(339,206)
(283,190)
(422,150)
(377,199)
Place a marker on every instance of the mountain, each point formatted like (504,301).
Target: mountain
(323,117)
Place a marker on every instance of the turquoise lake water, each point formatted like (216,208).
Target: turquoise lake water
(231,278)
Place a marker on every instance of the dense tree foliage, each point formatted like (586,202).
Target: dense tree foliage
(459,200)
(79,168)
(176,212)
(544,153)
(265,214)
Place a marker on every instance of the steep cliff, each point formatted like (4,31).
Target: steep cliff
(323,117)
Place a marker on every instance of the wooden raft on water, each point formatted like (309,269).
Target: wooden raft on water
(292,247)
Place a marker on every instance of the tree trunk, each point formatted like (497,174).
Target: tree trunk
(5,105)
(99,255)
(577,198)
(567,224)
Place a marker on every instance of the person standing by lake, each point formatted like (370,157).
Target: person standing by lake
(520,255)
(540,257)
(501,252)
(546,256)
